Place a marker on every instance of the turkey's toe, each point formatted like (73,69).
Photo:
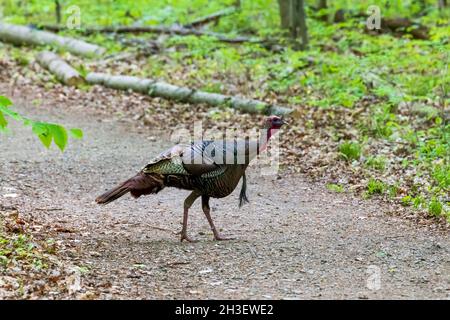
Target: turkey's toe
(219,237)
(187,238)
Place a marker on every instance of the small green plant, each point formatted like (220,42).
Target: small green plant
(335,187)
(20,58)
(406,200)
(377,163)
(418,201)
(19,247)
(441,175)
(392,191)
(375,187)
(350,150)
(214,87)
(435,207)
(82,269)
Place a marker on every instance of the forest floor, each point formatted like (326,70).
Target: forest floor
(295,239)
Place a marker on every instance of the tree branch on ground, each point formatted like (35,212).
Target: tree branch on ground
(177,30)
(183,94)
(21,35)
(63,71)
(405,26)
(215,17)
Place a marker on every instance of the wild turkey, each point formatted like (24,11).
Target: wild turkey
(198,167)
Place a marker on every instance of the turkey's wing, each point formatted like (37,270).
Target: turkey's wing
(186,159)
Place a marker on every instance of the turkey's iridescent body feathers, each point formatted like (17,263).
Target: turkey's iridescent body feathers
(193,167)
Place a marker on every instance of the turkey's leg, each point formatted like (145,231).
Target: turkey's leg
(187,204)
(206,211)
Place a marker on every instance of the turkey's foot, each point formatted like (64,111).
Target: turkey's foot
(184,236)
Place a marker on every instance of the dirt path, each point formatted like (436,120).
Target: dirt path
(295,239)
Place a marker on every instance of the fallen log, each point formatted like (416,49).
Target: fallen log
(394,25)
(25,35)
(171,92)
(210,18)
(63,71)
(405,25)
(177,30)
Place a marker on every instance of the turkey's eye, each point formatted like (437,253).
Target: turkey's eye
(277,122)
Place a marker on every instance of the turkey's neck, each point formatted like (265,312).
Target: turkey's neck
(253,148)
(265,137)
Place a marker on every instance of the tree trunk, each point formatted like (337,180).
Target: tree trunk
(25,35)
(322,5)
(339,16)
(442,4)
(285,17)
(64,72)
(292,14)
(58,11)
(298,22)
(182,94)
(302,23)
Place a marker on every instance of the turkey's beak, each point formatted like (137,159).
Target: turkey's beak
(284,122)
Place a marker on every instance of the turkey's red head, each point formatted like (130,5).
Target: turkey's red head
(274,122)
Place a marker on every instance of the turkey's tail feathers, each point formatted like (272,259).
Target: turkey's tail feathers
(243,195)
(138,185)
(113,194)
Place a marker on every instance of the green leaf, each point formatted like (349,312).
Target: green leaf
(59,134)
(76,133)
(39,128)
(46,139)
(3,122)
(5,102)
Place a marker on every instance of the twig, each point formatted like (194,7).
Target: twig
(120,57)
(177,30)
(48,209)
(7,208)
(176,263)
(253,252)
(148,46)
(210,18)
